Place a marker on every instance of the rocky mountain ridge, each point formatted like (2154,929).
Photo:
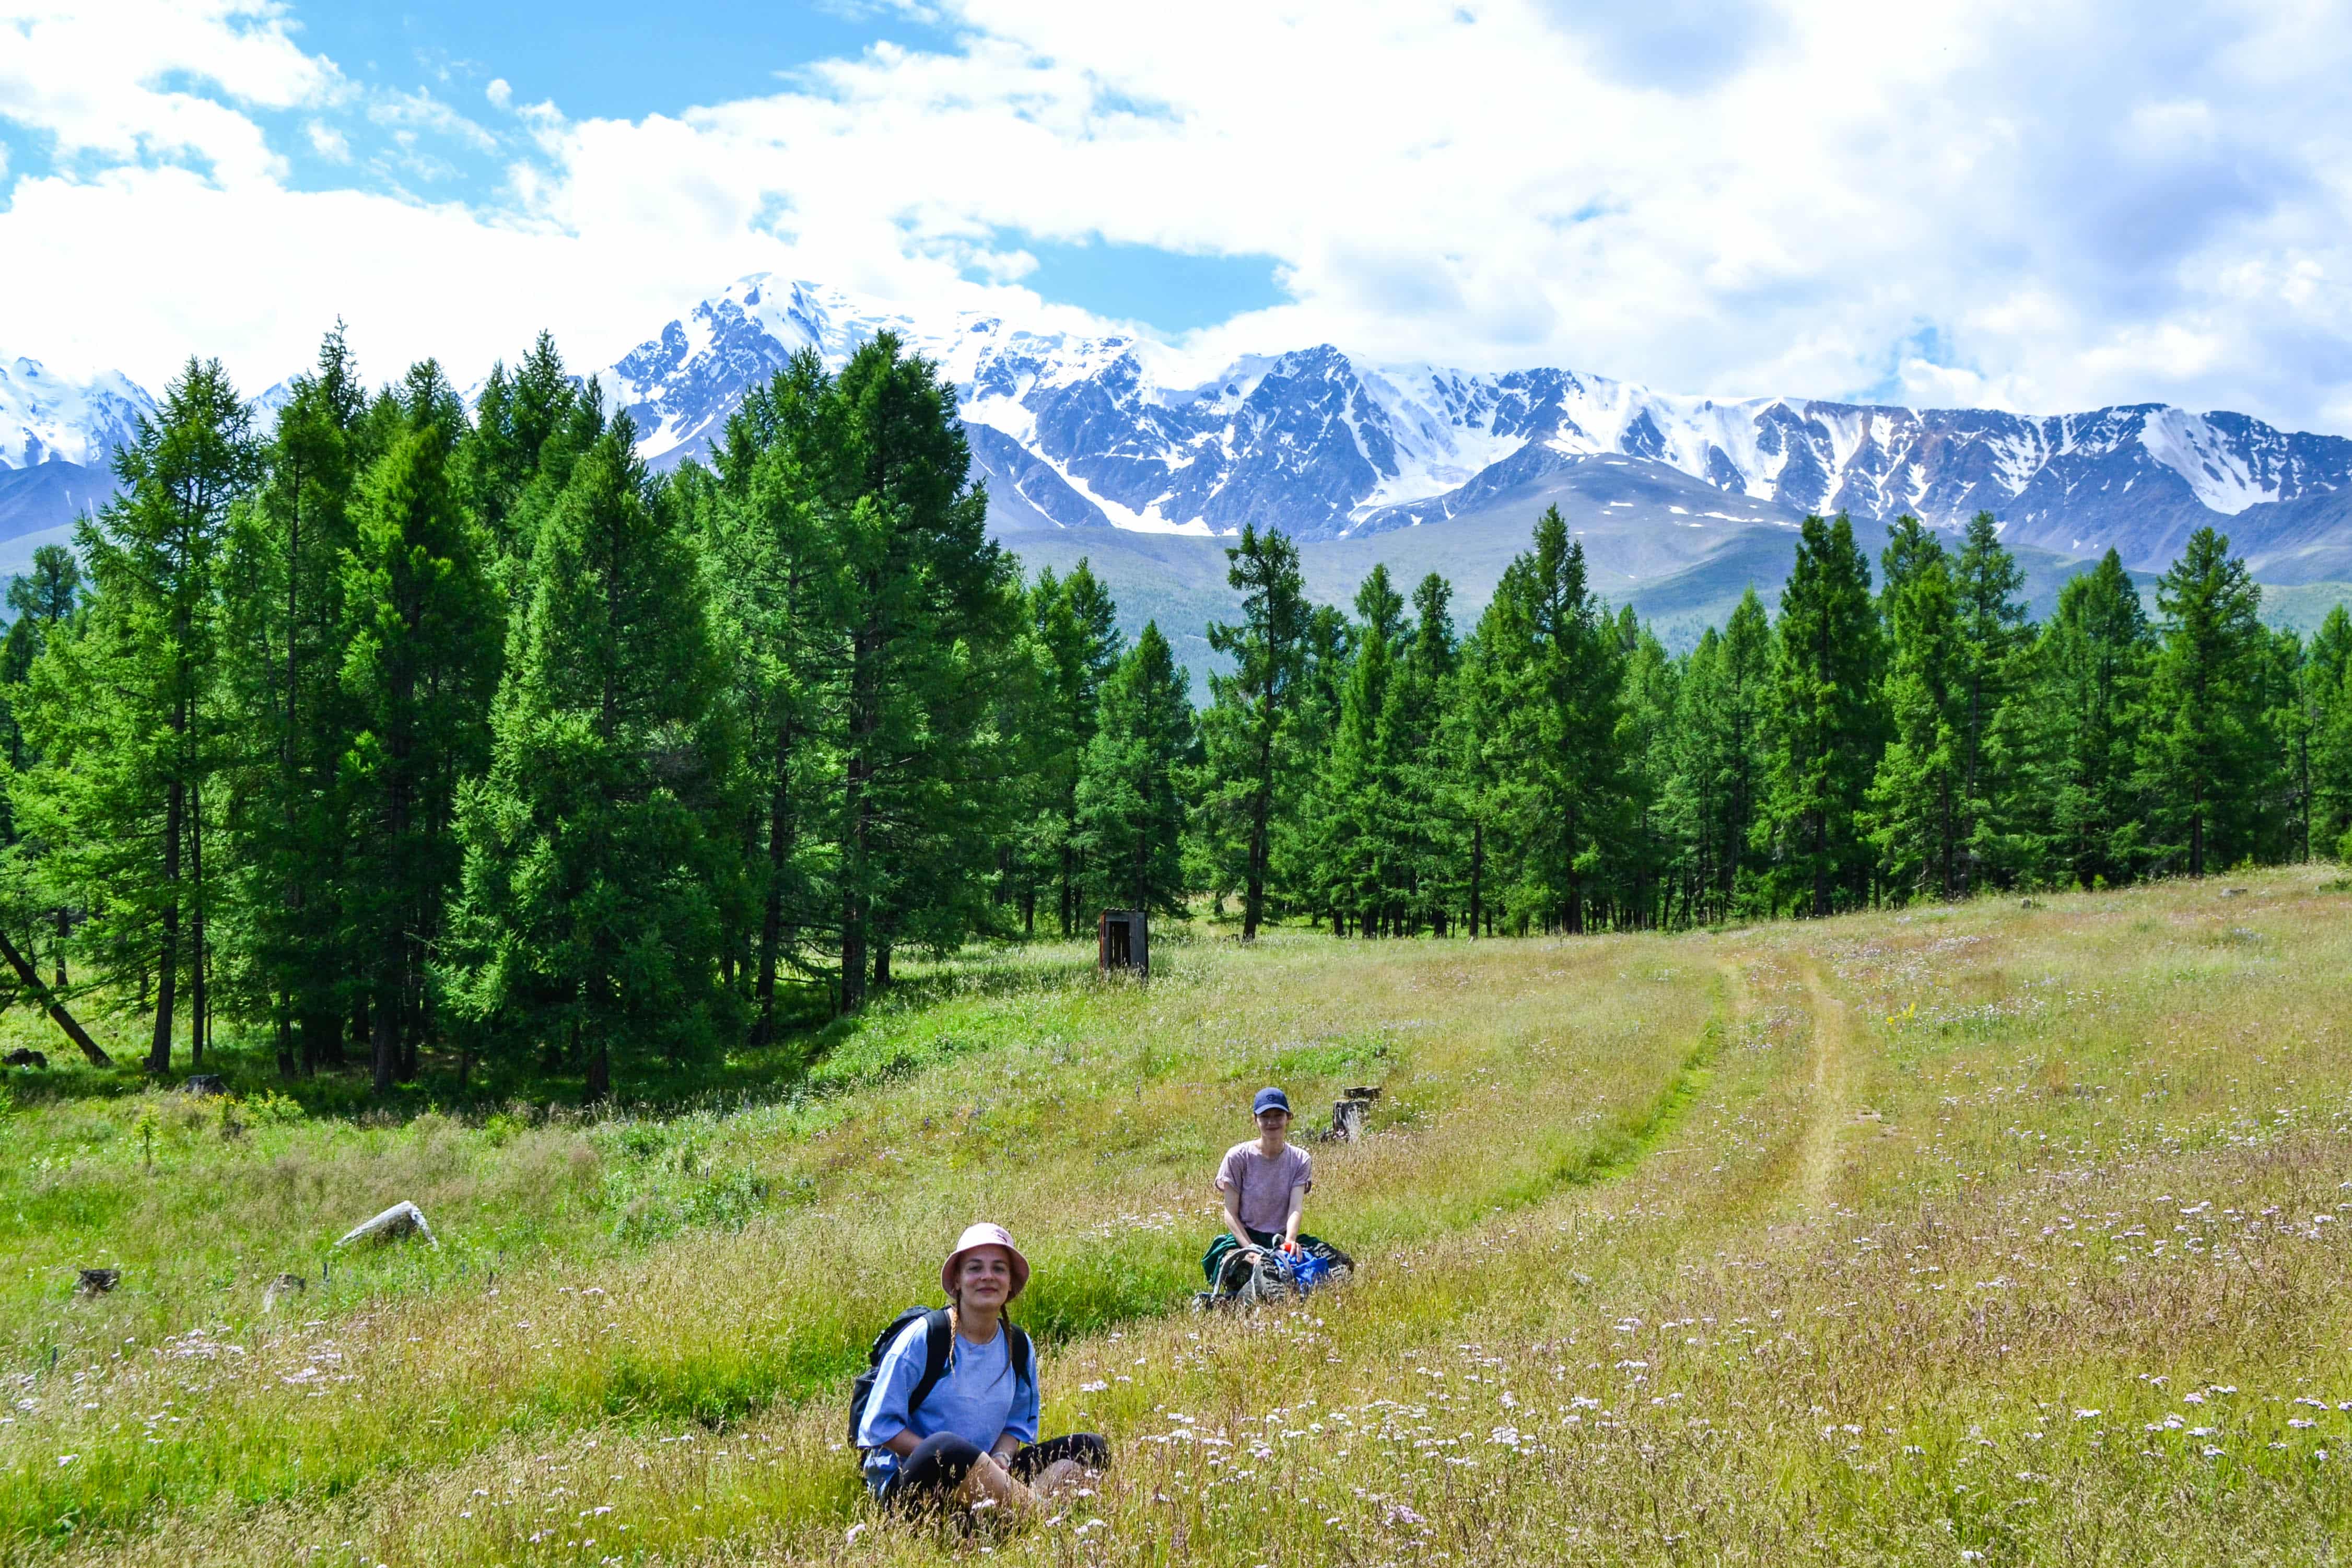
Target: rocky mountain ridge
(1112,432)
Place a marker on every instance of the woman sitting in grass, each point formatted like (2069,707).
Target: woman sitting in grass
(953,1417)
(1264,1183)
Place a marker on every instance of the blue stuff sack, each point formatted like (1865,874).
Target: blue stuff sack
(1308,1271)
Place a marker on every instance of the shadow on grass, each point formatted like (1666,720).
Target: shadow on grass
(243,1057)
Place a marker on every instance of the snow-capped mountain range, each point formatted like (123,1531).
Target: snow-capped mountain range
(1111,432)
(45,418)
(1085,431)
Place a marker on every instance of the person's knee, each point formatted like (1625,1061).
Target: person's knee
(942,1459)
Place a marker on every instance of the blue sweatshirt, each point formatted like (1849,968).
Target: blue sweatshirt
(979,1398)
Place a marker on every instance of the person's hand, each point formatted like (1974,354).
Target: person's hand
(1290,1246)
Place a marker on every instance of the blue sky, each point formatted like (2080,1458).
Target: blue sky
(2042,205)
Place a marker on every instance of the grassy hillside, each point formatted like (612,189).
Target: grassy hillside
(2001,1230)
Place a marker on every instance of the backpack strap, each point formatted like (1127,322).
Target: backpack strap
(938,1336)
(1024,1355)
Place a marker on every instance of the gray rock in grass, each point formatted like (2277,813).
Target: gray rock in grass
(402,1219)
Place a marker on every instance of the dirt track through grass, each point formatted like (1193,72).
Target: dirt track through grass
(1830,1116)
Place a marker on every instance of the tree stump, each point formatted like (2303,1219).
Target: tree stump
(203,1083)
(284,1285)
(97,1281)
(26,1058)
(1348,1120)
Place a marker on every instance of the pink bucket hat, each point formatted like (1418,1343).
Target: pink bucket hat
(979,1236)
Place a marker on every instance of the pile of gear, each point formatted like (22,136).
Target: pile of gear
(1257,1276)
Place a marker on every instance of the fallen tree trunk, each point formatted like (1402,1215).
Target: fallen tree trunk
(49,1003)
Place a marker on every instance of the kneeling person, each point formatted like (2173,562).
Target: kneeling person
(1264,1183)
(951,1411)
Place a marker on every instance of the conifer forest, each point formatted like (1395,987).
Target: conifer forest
(386,727)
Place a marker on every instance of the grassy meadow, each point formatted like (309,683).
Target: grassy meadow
(2009,1231)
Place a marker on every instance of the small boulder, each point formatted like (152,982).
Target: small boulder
(2233,892)
(26,1058)
(203,1083)
(402,1219)
(97,1281)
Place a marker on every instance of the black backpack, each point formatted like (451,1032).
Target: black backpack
(937,1337)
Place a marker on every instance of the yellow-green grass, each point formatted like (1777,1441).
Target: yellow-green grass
(1086,1115)
(1894,1238)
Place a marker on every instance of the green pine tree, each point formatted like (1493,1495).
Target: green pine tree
(1719,767)
(2084,683)
(285,637)
(39,602)
(1421,826)
(2327,686)
(1131,803)
(420,665)
(1245,731)
(593,845)
(121,711)
(1075,627)
(1825,726)
(1360,874)
(1646,741)
(929,619)
(1557,700)
(1993,637)
(777,583)
(2207,754)
(1918,799)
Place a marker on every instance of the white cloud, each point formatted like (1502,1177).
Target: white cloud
(93,78)
(2087,202)
(420,110)
(328,142)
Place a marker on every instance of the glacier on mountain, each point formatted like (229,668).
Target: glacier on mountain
(1076,431)
(1087,431)
(50,418)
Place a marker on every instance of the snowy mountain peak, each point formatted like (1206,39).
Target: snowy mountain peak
(47,418)
(1072,430)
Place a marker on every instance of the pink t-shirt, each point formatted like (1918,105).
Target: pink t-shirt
(1264,1184)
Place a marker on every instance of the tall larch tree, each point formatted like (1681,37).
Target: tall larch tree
(594,843)
(1560,690)
(1358,870)
(777,581)
(1130,791)
(1412,737)
(2087,674)
(284,636)
(2327,680)
(420,665)
(1825,725)
(1917,804)
(121,709)
(931,614)
(1244,731)
(1993,635)
(2207,755)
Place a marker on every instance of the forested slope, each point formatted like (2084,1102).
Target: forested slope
(449,748)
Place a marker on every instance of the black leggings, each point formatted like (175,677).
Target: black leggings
(941,1461)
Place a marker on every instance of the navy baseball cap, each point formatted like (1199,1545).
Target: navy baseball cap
(1270,1099)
